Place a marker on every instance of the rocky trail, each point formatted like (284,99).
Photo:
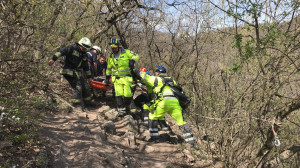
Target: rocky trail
(95,139)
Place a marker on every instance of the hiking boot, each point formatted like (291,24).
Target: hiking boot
(195,146)
(165,129)
(168,130)
(153,140)
(121,113)
(103,93)
(143,127)
(146,123)
(121,110)
(91,103)
(77,108)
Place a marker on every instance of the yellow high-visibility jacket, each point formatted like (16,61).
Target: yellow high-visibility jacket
(120,67)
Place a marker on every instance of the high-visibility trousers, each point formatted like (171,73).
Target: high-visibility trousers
(170,106)
(122,86)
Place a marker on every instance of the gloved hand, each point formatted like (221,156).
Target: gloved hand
(106,81)
(132,107)
(131,63)
(51,62)
(107,77)
(140,84)
(136,74)
(152,110)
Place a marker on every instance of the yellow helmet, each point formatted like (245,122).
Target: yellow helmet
(114,43)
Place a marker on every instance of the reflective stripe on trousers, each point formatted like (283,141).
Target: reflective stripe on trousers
(153,132)
(121,110)
(65,71)
(188,137)
(75,101)
(88,98)
(80,89)
(146,120)
(170,98)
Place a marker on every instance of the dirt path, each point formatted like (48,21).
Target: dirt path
(79,140)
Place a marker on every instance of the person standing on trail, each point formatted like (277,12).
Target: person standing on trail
(92,59)
(119,67)
(163,101)
(76,64)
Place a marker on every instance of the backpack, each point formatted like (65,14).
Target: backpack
(184,101)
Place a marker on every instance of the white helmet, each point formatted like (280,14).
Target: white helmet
(85,42)
(98,49)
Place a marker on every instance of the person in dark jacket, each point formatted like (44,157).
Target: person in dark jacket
(92,59)
(101,66)
(74,70)
(100,74)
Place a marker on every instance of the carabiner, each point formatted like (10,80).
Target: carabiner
(276,141)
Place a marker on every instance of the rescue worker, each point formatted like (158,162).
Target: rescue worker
(76,64)
(119,67)
(163,101)
(142,101)
(92,59)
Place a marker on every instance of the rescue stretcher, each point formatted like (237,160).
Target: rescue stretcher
(100,85)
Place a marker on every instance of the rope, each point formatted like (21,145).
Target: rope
(276,139)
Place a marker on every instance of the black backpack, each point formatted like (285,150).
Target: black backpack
(184,101)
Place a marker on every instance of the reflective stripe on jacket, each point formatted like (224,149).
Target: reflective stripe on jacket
(74,59)
(120,67)
(73,73)
(156,83)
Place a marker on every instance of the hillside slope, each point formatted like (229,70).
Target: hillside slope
(80,139)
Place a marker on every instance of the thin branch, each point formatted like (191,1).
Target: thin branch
(234,15)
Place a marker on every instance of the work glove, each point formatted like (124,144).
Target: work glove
(51,62)
(133,107)
(152,110)
(106,81)
(131,63)
(136,74)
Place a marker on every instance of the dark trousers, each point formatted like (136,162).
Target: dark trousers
(141,99)
(81,89)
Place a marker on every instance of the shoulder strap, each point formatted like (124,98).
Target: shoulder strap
(167,81)
(155,82)
(123,50)
(113,60)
